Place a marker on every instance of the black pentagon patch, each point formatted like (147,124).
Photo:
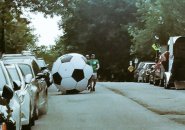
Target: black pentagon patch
(78,74)
(57,78)
(66,58)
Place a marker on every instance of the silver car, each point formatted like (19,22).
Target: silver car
(44,67)
(142,72)
(14,103)
(29,66)
(26,93)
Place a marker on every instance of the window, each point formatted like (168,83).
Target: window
(41,63)
(35,68)
(3,79)
(13,73)
(26,69)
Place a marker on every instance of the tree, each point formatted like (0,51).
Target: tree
(100,27)
(156,18)
(15,34)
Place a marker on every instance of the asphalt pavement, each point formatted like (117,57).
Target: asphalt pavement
(115,106)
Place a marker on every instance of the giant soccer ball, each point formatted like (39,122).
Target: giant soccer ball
(71,72)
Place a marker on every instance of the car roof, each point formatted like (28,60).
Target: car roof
(19,56)
(24,61)
(40,58)
(149,62)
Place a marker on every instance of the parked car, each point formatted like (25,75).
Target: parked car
(29,66)
(158,71)
(25,93)
(146,72)
(136,72)
(142,77)
(23,55)
(14,103)
(39,61)
(175,73)
(44,67)
(151,73)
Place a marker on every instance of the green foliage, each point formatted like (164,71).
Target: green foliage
(100,27)
(15,34)
(156,17)
(48,54)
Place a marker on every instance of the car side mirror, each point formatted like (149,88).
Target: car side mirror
(17,85)
(40,75)
(7,92)
(28,78)
(43,68)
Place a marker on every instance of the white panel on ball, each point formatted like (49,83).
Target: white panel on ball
(78,62)
(82,85)
(88,71)
(56,66)
(66,70)
(68,83)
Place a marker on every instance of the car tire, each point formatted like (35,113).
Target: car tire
(150,81)
(162,82)
(156,82)
(147,79)
(28,126)
(44,109)
(143,80)
(10,126)
(36,112)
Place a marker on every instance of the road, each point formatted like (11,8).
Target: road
(115,106)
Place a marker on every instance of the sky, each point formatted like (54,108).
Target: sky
(46,28)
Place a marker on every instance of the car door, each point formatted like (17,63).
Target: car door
(40,81)
(14,102)
(22,91)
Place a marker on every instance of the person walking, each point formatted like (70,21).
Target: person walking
(95,65)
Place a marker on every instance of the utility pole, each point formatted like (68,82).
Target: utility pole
(2,30)
(3,50)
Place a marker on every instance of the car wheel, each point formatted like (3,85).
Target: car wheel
(32,121)
(10,126)
(162,82)
(143,80)
(150,80)
(156,82)
(44,109)
(36,113)
(28,126)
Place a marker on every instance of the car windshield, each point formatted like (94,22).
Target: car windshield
(3,79)
(140,65)
(150,65)
(41,63)
(26,69)
(13,73)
